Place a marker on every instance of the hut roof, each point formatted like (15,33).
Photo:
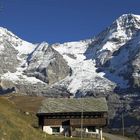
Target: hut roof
(60,105)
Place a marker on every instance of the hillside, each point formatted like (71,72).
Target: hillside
(17,124)
(18,120)
(14,124)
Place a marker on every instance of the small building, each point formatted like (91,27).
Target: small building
(66,115)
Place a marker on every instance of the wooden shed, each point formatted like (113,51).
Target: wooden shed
(61,115)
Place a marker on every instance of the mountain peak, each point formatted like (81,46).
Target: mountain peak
(128,15)
(5,31)
(122,29)
(128,21)
(7,35)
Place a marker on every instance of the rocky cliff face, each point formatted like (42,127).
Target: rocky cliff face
(9,61)
(47,64)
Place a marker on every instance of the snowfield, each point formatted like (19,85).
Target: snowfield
(98,64)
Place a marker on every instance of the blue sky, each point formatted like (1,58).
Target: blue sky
(62,20)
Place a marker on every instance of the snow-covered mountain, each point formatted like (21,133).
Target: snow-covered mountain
(100,65)
(106,62)
(104,65)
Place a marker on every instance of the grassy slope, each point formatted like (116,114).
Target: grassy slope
(27,103)
(16,125)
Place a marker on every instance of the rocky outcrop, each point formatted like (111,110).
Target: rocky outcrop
(136,71)
(8,58)
(47,65)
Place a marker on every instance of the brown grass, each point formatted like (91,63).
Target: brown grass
(27,103)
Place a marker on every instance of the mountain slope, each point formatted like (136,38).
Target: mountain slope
(15,125)
(84,75)
(107,57)
(28,68)
(47,65)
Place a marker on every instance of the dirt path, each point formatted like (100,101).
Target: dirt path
(114,137)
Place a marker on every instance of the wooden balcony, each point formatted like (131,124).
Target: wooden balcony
(89,122)
(77,122)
